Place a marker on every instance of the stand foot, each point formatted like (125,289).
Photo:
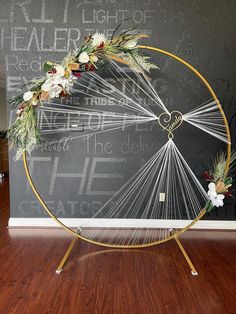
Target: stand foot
(64,259)
(188,260)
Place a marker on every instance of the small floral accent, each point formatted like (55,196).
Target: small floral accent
(216,199)
(220,182)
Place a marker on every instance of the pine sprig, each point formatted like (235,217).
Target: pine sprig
(24,133)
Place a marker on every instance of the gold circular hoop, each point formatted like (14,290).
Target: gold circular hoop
(203,211)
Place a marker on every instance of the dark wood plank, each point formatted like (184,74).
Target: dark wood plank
(98,280)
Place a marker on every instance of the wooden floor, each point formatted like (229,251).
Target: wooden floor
(97,280)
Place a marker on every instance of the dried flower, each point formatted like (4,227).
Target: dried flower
(74,66)
(44,96)
(94,58)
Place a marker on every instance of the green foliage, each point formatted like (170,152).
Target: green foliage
(228,181)
(219,167)
(209,207)
(16,101)
(23,132)
(47,66)
(138,62)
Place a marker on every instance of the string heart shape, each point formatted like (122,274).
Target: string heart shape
(170,122)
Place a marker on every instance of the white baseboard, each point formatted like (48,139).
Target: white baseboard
(122,223)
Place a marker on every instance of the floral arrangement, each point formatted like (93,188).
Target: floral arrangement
(92,55)
(220,182)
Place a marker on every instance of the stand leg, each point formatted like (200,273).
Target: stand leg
(64,259)
(188,260)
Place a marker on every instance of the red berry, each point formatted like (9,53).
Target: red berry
(63,94)
(101,45)
(92,68)
(77,74)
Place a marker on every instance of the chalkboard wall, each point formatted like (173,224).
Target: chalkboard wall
(202,32)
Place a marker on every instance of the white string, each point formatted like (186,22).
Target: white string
(146,83)
(166,172)
(209,119)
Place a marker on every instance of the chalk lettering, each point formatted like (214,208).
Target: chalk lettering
(98,175)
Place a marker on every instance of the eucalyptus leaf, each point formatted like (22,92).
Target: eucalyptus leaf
(47,66)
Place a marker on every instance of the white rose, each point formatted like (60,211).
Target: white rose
(97,39)
(28,95)
(84,57)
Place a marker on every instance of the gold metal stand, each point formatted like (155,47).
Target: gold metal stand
(73,241)
(188,260)
(65,257)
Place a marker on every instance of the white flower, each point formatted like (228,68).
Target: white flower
(68,83)
(216,199)
(51,86)
(53,90)
(55,85)
(58,71)
(84,57)
(97,39)
(132,43)
(28,95)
